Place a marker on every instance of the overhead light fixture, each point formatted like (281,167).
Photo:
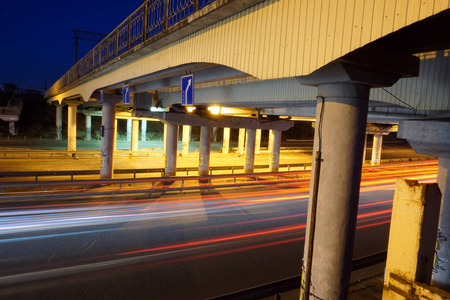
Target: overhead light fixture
(158,109)
(190,108)
(215,110)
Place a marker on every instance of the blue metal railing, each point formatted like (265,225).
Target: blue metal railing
(146,22)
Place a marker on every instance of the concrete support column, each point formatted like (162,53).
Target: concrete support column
(116,127)
(432,137)
(205,150)
(333,204)
(376,149)
(171,140)
(241,141)
(143,130)
(249,159)
(108,139)
(59,122)
(226,140)
(270,143)
(440,277)
(129,128)
(275,150)
(165,138)
(88,127)
(258,141)
(365,148)
(72,127)
(186,139)
(134,134)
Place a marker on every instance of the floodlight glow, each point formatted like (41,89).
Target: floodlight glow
(190,108)
(215,110)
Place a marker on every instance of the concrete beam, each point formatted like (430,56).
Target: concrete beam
(217,121)
(427,137)
(371,65)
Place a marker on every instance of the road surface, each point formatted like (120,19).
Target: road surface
(191,244)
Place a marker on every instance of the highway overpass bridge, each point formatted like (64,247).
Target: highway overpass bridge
(268,62)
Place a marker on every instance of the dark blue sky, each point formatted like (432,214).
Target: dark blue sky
(36,37)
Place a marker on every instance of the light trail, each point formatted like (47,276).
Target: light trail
(145,231)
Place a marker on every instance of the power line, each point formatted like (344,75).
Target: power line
(86,35)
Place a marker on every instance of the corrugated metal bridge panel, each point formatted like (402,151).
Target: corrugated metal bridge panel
(429,91)
(280,38)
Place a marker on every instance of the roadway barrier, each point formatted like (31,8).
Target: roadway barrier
(178,182)
(163,183)
(72,173)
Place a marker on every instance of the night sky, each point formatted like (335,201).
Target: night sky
(36,37)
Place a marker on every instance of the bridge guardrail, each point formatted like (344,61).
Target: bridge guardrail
(146,22)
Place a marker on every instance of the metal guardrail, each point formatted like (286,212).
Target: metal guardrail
(72,173)
(146,22)
(166,183)
(276,288)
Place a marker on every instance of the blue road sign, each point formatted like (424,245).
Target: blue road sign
(187,90)
(126,94)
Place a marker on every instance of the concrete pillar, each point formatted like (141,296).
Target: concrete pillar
(165,138)
(88,127)
(365,148)
(241,141)
(258,141)
(376,149)
(134,134)
(432,137)
(275,150)
(171,140)
(72,127)
(143,130)
(339,140)
(440,277)
(412,238)
(226,140)
(108,139)
(59,122)
(249,159)
(270,143)
(116,128)
(186,139)
(129,127)
(205,150)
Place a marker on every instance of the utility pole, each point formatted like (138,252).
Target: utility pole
(86,35)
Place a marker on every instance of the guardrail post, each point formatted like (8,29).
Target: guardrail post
(166,14)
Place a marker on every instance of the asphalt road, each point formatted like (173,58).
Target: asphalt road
(195,244)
